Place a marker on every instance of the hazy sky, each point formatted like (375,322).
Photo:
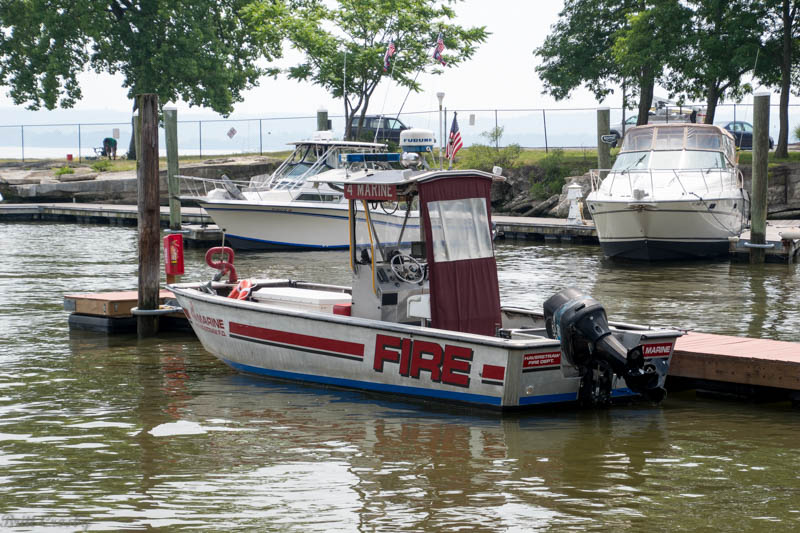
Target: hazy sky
(500,76)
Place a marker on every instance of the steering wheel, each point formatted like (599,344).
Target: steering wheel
(407,269)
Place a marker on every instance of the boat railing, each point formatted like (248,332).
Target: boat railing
(655,184)
(197,187)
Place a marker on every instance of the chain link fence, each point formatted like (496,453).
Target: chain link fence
(529,128)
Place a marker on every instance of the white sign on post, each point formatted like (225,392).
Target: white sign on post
(231,133)
(115,133)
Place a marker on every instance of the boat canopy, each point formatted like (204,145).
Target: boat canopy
(455,213)
(679,137)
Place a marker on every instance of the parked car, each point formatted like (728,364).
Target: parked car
(743,133)
(388,128)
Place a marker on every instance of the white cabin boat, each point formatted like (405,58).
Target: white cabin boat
(425,320)
(283,210)
(674,192)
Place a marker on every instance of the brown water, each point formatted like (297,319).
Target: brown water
(117,433)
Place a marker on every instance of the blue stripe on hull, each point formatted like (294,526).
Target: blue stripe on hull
(251,243)
(549,398)
(366,385)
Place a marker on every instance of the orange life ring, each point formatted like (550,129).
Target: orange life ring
(242,290)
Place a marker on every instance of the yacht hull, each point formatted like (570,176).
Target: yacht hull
(666,230)
(298,225)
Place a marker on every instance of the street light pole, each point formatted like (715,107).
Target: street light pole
(440,96)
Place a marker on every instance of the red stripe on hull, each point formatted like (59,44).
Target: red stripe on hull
(297,339)
(493,372)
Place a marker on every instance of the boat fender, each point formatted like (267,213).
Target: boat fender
(242,290)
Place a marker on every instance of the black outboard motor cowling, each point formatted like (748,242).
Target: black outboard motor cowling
(579,322)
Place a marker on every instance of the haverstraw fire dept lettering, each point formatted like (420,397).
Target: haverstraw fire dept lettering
(450,365)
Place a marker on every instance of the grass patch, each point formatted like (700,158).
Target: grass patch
(64,170)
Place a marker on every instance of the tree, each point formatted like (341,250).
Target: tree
(579,51)
(203,51)
(344,46)
(653,36)
(720,45)
(779,63)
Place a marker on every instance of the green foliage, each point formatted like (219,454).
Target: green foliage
(797,132)
(359,31)
(549,179)
(204,51)
(483,157)
(577,50)
(102,165)
(494,135)
(64,170)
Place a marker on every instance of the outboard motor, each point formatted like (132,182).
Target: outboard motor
(579,322)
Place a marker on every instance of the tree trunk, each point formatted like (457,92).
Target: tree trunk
(712,97)
(782,148)
(646,86)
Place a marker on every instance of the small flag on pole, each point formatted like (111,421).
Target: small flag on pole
(389,53)
(454,144)
(437,51)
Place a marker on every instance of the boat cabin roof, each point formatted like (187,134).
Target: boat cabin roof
(681,136)
(369,184)
(342,144)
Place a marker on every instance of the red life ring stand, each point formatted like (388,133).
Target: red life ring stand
(242,290)
(225,266)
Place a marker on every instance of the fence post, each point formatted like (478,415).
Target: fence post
(149,213)
(496,137)
(758,205)
(200,129)
(79,144)
(544,123)
(22,135)
(173,186)
(603,149)
(260,139)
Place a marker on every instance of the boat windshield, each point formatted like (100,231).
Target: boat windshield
(669,159)
(460,229)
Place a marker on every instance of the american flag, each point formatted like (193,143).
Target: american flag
(437,51)
(455,143)
(389,53)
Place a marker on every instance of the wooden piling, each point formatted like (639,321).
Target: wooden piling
(149,211)
(173,187)
(758,196)
(603,149)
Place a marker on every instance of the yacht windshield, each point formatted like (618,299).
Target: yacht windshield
(669,159)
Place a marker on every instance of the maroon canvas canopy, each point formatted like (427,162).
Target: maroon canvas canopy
(456,215)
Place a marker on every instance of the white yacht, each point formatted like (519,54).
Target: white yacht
(284,210)
(674,192)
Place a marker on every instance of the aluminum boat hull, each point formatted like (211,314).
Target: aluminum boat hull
(397,359)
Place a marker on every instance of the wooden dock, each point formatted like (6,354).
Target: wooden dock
(110,312)
(738,365)
(781,249)
(548,229)
(200,230)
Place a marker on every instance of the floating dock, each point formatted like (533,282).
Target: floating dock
(547,229)
(755,368)
(110,312)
